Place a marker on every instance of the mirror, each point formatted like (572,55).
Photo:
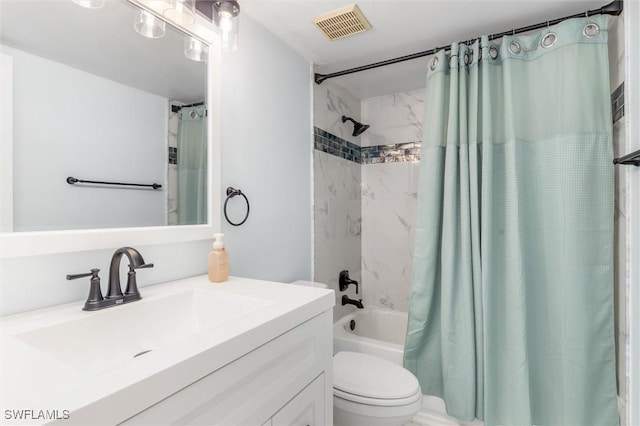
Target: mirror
(96,101)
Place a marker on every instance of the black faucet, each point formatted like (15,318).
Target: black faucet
(136,261)
(344,281)
(357,303)
(114,295)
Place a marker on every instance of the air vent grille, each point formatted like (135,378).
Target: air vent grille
(342,22)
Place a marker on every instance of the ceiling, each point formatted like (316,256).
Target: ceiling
(400,27)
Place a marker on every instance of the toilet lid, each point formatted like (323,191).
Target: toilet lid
(368,376)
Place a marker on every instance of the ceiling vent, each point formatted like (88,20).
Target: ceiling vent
(342,22)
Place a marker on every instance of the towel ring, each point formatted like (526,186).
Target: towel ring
(232,192)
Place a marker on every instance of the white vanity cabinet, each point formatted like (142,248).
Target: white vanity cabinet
(243,352)
(306,408)
(286,381)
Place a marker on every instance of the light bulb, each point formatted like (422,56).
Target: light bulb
(148,25)
(226,19)
(226,22)
(182,12)
(195,50)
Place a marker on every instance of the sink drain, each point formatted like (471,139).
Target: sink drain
(142,353)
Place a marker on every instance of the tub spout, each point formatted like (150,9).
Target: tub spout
(357,303)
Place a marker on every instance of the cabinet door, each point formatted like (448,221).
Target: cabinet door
(305,409)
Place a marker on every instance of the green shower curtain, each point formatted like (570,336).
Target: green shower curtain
(192,166)
(511,304)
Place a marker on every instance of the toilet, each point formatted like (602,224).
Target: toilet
(371,391)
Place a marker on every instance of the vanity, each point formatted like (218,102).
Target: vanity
(244,352)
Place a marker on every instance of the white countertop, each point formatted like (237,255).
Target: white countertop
(32,379)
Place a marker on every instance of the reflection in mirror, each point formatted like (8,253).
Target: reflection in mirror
(95,100)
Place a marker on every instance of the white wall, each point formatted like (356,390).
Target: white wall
(266,148)
(620,148)
(68,122)
(266,130)
(632,109)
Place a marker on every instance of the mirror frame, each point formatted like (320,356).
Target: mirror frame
(23,244)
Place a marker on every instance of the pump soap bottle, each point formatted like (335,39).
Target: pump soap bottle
(218,261)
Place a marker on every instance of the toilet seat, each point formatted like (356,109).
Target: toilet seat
(370,380)
(375,401)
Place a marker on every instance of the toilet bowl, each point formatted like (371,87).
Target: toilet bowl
(371,391)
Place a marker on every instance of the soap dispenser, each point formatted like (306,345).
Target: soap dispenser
(218,261)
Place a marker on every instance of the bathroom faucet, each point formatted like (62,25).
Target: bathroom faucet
(114,294)
(344,281)
(136,261)
(357,303)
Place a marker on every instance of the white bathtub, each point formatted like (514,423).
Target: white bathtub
(377,332)
(382,333)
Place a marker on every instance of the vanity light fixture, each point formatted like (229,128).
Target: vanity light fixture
(181,12)
(195,49)
(90,4)
(148,25)
(226,18)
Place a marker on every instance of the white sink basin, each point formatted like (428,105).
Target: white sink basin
(63,358)
(106,339)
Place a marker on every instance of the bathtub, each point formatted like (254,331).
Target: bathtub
(382,333)
(375,332)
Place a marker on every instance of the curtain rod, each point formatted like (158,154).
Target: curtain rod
(177,108)
(613,8)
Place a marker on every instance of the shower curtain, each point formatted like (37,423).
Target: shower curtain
(511,304)
(192,166)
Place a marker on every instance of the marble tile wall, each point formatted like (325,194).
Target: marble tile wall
(394,119)
(337,210)
(389,199)
(330,103)
(364,214)
(390,153)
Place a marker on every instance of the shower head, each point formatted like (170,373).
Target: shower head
(358,128)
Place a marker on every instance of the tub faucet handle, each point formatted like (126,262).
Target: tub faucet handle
(344,281)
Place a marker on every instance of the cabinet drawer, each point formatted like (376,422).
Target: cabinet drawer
(305,409)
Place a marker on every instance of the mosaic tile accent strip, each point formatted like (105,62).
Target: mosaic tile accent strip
(395,153)
(334,145)
(617,103)
(173,155)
